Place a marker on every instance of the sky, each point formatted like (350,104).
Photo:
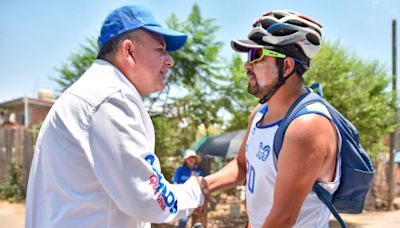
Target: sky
(38,36)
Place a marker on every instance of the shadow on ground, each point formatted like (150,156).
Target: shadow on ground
(335,224)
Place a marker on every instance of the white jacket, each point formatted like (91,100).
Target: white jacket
(94,163)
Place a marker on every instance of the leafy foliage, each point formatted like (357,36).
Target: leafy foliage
(193,95)
(77,64)
(194,79)
(238,102)
(9,189)
(358,90)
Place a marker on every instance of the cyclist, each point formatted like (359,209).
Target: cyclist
(280,47)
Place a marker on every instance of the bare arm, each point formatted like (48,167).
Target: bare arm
(307,155)
(234,173)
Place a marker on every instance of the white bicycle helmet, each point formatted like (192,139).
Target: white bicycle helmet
(284,27)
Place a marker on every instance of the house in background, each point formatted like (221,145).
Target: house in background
(26,111)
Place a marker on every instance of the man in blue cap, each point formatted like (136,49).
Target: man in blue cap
(94,163)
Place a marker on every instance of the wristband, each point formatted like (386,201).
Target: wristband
(204,185)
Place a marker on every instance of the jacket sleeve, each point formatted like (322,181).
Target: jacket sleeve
(120,152)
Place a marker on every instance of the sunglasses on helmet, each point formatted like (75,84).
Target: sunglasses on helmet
(256,54)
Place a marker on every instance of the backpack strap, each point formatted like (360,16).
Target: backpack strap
(299,104)
(326,198)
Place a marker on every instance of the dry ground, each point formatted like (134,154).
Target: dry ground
(12,216)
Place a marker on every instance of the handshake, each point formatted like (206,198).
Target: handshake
(204,189)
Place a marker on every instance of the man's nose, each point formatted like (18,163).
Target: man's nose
(169,61)
(247,65)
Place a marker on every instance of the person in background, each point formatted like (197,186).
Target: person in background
(94,163)
(188,168)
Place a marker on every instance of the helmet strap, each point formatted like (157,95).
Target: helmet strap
(280,82)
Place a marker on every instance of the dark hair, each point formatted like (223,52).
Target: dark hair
(293,50)
(109,49)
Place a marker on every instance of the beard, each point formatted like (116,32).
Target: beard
(253,89)
(256,89)
(262,89)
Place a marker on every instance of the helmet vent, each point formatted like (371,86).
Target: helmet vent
(313,39)
(278,15)
(297,22)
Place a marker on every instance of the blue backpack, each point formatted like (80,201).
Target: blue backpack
(356,171)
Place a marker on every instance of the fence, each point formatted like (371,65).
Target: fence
(16,144)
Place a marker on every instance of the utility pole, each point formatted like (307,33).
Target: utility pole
(393,135)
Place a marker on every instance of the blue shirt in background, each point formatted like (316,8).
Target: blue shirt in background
(182,174)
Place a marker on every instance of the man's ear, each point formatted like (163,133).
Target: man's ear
(288,64)
(127,49)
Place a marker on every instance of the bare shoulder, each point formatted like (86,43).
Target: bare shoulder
(310,125)
(307,155)
(313,132)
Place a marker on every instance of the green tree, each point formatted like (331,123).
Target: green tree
(238,102)
(77,64)
(193,96)
(358,89)
(193,81)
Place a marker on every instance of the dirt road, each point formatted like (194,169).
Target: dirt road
(383,219)
(12,215)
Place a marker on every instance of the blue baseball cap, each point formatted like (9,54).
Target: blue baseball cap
(129,18)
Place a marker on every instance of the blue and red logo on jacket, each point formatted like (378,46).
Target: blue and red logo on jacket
(165,198)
